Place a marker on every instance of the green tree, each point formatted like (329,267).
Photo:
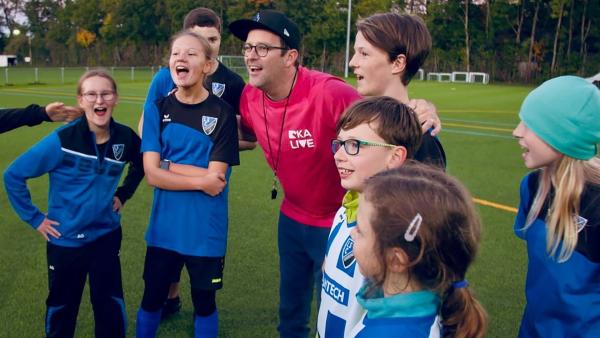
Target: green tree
(41,15)
(9,10)
(558,11)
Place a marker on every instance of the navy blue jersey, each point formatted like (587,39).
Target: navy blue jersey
(227,85)
(83,180)
(190,222)
(563,299)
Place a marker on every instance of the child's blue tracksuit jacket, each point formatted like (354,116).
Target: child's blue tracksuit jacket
(83,180)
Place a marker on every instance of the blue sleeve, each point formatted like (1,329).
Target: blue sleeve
(38,160)
(523,207)
(151,129)
(161,85)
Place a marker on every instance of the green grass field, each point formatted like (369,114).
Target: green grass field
(477,121)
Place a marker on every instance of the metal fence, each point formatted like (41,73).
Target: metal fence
(234,63)
(69,75)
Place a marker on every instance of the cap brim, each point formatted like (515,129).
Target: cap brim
(241,28)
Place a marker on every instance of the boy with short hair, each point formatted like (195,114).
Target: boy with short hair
(376,134)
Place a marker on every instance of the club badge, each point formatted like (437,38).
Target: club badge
(581,222)
(348,253)
(209,124)
(218,89)
(118,150)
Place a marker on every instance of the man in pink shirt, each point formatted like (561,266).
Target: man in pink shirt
(293,111)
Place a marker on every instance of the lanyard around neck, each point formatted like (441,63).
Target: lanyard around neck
(274,160)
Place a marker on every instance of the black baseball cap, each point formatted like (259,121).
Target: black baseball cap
(273,21)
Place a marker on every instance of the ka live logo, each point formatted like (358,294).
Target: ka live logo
(301,139)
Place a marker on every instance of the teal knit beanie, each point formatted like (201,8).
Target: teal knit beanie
(565,113)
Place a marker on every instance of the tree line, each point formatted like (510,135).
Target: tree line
(512,40)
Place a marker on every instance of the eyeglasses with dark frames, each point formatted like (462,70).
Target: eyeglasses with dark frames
(92,96)
(261,49)
(352,146)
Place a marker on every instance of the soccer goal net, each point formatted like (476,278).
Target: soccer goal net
(464,77)
(235,63)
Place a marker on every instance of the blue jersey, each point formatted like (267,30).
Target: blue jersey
(563,299)
(411,314)
(190,222)
(83,180)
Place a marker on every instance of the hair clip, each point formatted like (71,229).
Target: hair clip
(461,284)
(413,228)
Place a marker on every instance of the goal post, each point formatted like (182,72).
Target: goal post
(235,63)
(475,77)
(459,77)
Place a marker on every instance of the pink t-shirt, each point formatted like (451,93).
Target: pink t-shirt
(307,170)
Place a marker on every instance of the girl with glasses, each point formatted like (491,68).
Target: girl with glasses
(84,161)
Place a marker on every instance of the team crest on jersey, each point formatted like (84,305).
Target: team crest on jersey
(118,150)
(346,259)
(580,222)
(218,88)
(348,253)
(209,124)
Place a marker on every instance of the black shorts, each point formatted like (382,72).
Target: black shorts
(177,277)
(206,273)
